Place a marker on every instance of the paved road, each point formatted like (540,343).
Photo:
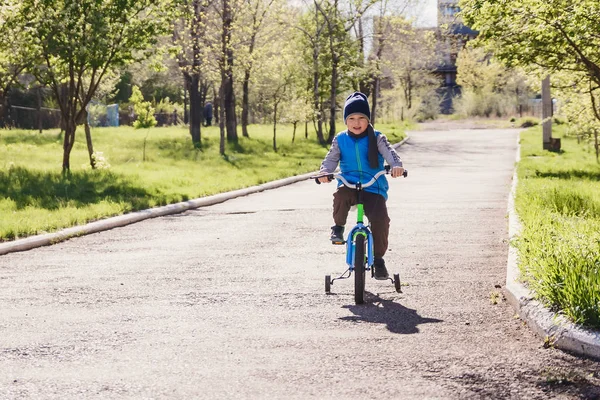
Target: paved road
(228,301)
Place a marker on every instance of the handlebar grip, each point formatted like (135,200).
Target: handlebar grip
(329,178)
(388,169)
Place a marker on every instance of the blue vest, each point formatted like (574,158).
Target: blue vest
(354,163)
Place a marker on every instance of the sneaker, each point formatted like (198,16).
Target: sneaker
(337,234)
(380,271)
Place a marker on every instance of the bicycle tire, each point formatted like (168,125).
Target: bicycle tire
(327,284)
(359,269)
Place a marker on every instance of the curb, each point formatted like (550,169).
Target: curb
(137,216)
(555,329)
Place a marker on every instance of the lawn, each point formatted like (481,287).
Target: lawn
(36,198)
(558,201)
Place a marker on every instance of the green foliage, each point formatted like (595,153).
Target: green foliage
(547,36)
(407,59)
(488,87)
(558,200)
(13,60)
(143,110)
(75,45)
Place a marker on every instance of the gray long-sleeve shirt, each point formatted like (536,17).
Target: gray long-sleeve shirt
(384,147)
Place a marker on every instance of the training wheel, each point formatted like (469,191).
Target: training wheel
(397,283)
(327,283)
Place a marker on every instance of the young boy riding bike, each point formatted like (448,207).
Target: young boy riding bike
(360,151)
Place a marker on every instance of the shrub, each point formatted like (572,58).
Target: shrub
(143,110)
(528,122)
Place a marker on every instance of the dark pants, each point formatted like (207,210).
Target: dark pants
(375,210)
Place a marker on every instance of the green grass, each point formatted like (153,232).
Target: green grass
(35,197)
(558,201)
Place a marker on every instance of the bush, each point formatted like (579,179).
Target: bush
(528,122)
(429,107)
(483,104)
(143,110)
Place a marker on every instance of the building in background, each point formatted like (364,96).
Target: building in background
(453,35)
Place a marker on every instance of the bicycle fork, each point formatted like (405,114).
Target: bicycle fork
(359,229)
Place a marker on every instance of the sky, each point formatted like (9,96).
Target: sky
(426,13)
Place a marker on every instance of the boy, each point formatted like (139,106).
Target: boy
(360,150)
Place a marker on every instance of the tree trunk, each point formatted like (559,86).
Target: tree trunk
(332,97)
(546,113)
(195,110)
(275,128)
(320,136)
(227,73)
(376,86)
(186,90)
(319,127)
(88,140)
(202,95)
(363,85)
(229,105)
(294,133)
(410,87)
(245,103)
(221,122)
(69,140)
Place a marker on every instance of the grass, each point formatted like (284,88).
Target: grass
(558,201)
(35,198)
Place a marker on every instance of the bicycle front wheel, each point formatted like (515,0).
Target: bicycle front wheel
(359,268)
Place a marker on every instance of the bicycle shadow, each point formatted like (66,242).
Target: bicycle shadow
(396,317)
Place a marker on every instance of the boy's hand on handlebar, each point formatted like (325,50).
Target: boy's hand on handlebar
(397,171)
(324,179)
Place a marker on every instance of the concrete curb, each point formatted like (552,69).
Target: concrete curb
(137,216)
(126,219)
(555,329)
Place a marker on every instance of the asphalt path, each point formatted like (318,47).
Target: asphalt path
(228,301)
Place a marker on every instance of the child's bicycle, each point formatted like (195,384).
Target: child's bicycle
(359,245)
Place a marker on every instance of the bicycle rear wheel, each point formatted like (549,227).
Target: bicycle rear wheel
(359,268)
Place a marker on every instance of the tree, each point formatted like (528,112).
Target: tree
(76,43)
(579,110)
(13,61)
(341,48)
(259,11)
(279,84)
(488,87)
(384,27)
(404,59)
(228,120)
(552,35)
(311,26)
(192,46)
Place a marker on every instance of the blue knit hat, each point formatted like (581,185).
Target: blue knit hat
(357,103)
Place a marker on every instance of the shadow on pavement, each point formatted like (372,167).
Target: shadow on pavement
(396,317)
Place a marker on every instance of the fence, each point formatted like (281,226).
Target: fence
(29,118)
(20,117)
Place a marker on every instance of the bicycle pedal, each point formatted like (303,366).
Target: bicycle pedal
(338,242)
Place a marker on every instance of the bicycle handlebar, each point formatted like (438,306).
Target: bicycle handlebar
(331,177)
